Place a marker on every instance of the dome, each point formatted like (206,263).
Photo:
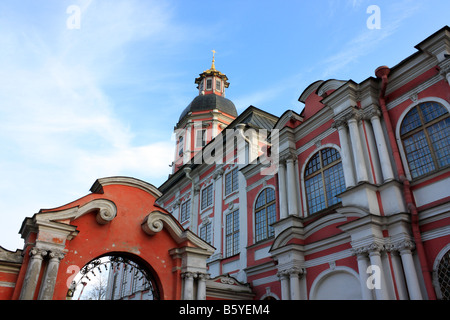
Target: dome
(210,102)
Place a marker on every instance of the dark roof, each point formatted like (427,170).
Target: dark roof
(210,102)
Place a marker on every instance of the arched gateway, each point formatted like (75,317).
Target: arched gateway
(119,219)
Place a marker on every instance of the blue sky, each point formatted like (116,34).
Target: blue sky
(102,100)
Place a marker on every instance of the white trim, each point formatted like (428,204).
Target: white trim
(400,121)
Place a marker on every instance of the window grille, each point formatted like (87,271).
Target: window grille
(324,179)
(443,273)
(265,215)
(232,234)
(425,133)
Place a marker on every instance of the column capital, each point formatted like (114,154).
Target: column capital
(372,248)
(203,276)
(38,252)
(56,254)
(339,124)
(188,275)
(404,246)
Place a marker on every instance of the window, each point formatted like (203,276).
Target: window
(208,84)
(231,181)
(425,133)
(180,146)
(443,273)
(217,85)
(265,214)
(185,211)
(232,234)
(324,179)
(205,233)
(207,195)
(200,138)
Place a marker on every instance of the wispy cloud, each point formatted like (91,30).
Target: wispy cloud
(367,40)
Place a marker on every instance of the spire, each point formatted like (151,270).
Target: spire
(213,67)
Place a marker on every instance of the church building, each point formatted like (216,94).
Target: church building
(347,199)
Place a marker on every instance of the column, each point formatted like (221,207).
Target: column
(285,290)
(32,275)
(358,156)
(399,276)
(51,272)
(282,196)
(294,282)
(383,152)
(217,231)
(188,291)
(292,187)
(409,268)
(363,264)
(375,260)
(201,286)
(347,162)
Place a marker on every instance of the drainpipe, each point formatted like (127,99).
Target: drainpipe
(382,73)
(187,171)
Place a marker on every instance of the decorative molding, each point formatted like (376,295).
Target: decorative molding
(155,221)
(106,212)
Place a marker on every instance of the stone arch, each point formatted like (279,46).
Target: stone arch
(127,220)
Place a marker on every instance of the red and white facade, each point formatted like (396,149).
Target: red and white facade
(349,199)
(359,205)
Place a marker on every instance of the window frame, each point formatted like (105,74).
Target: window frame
(203,133)
(268,232)
(209,197)
(185,215)
(233,174)
(207,229)
(324,187)
(232,248)
(422,128)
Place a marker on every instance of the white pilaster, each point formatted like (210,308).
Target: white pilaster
(346,157)
(32,274)
(51,272)
(285,289)
(375,260)
(409,268)
(383,152)
(294,282)
(363,264)
(358,156)
(282,196)
(188,291)
(292,187)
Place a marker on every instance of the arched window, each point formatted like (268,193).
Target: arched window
(324,179)
(265,214)
(443,273)
(425,133)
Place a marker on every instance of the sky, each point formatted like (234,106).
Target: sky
(93,88)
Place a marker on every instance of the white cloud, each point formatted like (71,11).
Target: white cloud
(59,127)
